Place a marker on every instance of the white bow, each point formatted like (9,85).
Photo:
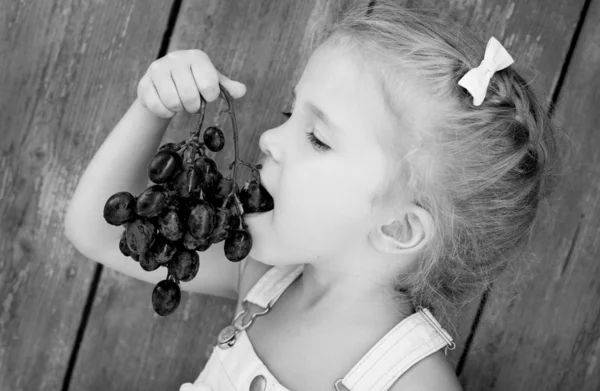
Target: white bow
(476,81)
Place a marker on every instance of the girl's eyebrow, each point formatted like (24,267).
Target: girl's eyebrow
(319,113)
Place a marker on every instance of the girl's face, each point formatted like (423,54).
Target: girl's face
(322,166)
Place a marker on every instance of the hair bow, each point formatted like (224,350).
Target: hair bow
(476,81)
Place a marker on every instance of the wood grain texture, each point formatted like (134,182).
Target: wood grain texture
(537,34)
(263,44)
(69,69)
(58,64)
(544,332)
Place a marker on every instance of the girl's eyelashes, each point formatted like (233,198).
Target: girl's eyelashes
(316,142)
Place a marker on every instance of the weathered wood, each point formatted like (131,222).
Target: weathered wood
(544,332)
(538,34)
(263,44)
(58,65)
(69,70)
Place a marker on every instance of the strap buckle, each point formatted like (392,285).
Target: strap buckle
(450,345)
(339,386)
(228,335)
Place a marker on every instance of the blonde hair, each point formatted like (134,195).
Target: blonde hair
(481,172)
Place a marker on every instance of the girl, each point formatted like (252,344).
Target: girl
(404,177)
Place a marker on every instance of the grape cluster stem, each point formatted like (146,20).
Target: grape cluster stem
(197,145)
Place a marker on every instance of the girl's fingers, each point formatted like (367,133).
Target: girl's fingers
(206,78)
(186,88)
(165,86)
(147,91)
(235,88)
(180,80)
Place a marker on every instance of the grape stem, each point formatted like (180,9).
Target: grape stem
(231,112)
(237,161)
(196,134)
(195,142)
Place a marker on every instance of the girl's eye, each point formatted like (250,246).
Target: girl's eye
(316,142)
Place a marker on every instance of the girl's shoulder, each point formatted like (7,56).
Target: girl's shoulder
(432,373)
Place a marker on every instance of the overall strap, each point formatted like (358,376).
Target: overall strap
(272,284)
(411,340)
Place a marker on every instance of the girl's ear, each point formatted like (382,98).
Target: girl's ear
(406,234)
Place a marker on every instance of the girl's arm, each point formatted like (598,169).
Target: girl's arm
(121,165)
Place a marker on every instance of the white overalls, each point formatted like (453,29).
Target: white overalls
(234,365)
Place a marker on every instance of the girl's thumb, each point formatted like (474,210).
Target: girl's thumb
(235,88)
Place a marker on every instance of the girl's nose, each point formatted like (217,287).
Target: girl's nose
(269,146)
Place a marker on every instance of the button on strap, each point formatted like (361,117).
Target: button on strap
(259,383)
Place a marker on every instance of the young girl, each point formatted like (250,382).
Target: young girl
(405,176)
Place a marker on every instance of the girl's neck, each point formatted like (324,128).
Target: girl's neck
(359,296)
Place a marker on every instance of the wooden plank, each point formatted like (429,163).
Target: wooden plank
(263,44)
(536,33)
(58,65)
(257,53)
(543,332)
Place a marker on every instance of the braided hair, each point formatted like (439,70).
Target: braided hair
(480,171)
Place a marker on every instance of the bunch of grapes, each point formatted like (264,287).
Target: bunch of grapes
(190,207)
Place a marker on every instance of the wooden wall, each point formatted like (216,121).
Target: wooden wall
(69,70)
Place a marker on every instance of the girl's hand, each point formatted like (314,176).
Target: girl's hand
(175,82)
(194,387)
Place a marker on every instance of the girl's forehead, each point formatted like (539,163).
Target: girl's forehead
(336,83)
(331,67)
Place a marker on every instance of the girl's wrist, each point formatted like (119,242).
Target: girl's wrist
(149,115)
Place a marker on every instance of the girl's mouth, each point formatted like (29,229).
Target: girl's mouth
(256,199)
(269,202)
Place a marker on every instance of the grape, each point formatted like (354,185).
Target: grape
(169,146)
(148,262)
(190,206)
(238,245)
(166,297)
(207,168)
(119,208)
(179,204)
(222,226)
(194,181)
(201,220)
(214,139)
(255,198)
(123,246)
(152,201)
(180,184)
(161,250)
(140,235)
(170,225)
(203,246)
(222,189)
(191,243)
(164,166)
(185,265)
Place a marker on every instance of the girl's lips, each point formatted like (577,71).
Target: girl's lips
(267,199)
(248,217)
